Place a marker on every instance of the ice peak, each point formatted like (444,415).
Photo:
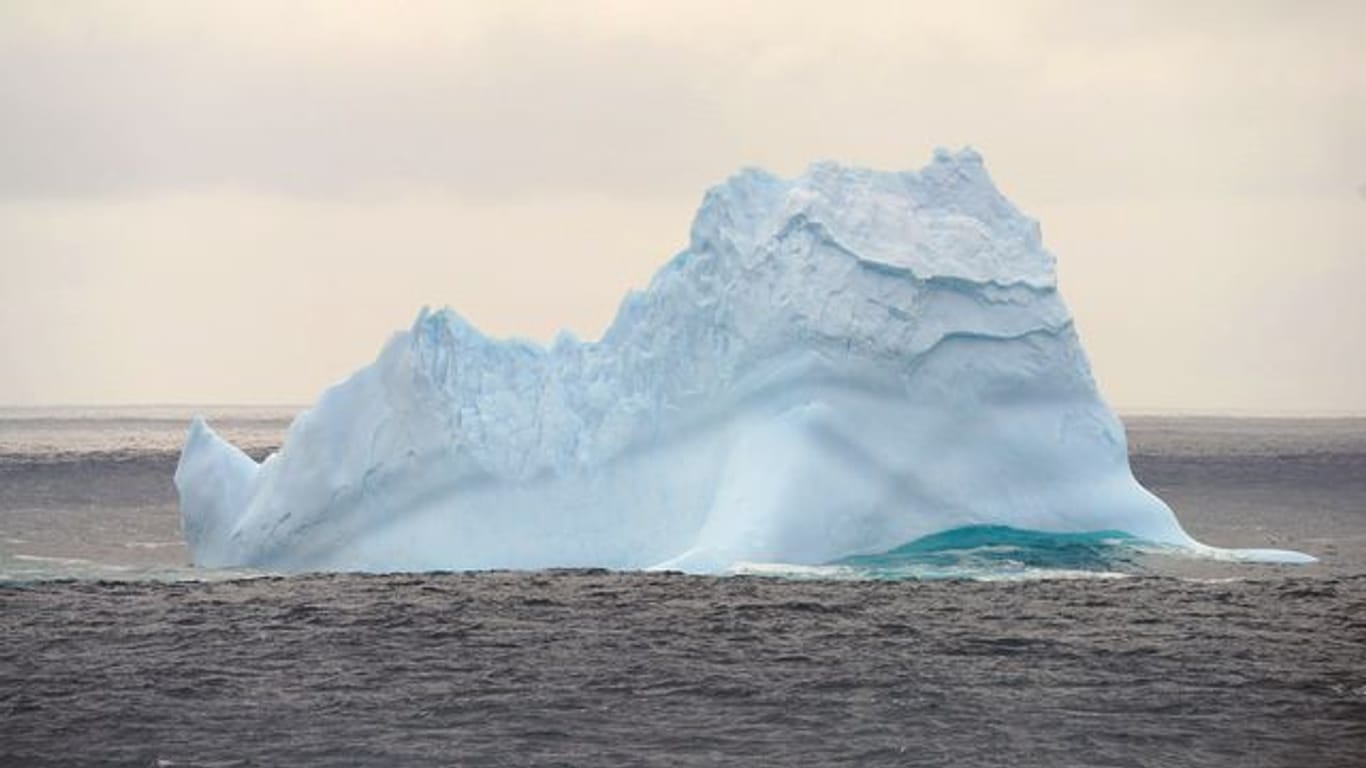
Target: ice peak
(964,156)
(945,220)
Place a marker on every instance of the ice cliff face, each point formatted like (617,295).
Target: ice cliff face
(836,365)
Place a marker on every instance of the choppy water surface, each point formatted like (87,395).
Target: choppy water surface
(1066,651)
(645,669)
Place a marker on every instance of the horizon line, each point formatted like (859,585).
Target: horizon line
(1139,411)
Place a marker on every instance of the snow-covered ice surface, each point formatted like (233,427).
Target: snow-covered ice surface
(837,366)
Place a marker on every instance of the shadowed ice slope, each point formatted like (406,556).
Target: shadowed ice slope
(838,364)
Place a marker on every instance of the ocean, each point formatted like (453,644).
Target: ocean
(1085,653)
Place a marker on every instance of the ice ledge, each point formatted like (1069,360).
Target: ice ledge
(214,479)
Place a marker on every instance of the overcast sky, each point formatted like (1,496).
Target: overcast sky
(239,202)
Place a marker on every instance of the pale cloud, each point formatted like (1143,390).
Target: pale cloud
(326,99)
(239,201)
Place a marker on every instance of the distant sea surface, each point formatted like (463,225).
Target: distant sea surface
(116,652)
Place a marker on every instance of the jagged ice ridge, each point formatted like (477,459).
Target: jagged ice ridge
(837,364)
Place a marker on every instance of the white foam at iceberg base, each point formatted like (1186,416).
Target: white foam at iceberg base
(836,365)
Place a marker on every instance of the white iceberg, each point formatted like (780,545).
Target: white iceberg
(837,364)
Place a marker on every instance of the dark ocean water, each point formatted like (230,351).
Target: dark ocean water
(116,653)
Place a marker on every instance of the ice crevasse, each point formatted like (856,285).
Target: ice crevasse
(836,365)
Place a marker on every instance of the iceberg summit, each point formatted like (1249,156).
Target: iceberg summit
(836,366)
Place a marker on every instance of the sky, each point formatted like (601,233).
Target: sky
(208,202)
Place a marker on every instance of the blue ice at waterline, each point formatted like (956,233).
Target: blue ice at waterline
(837,365)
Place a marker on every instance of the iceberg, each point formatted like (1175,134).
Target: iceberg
(836,365)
